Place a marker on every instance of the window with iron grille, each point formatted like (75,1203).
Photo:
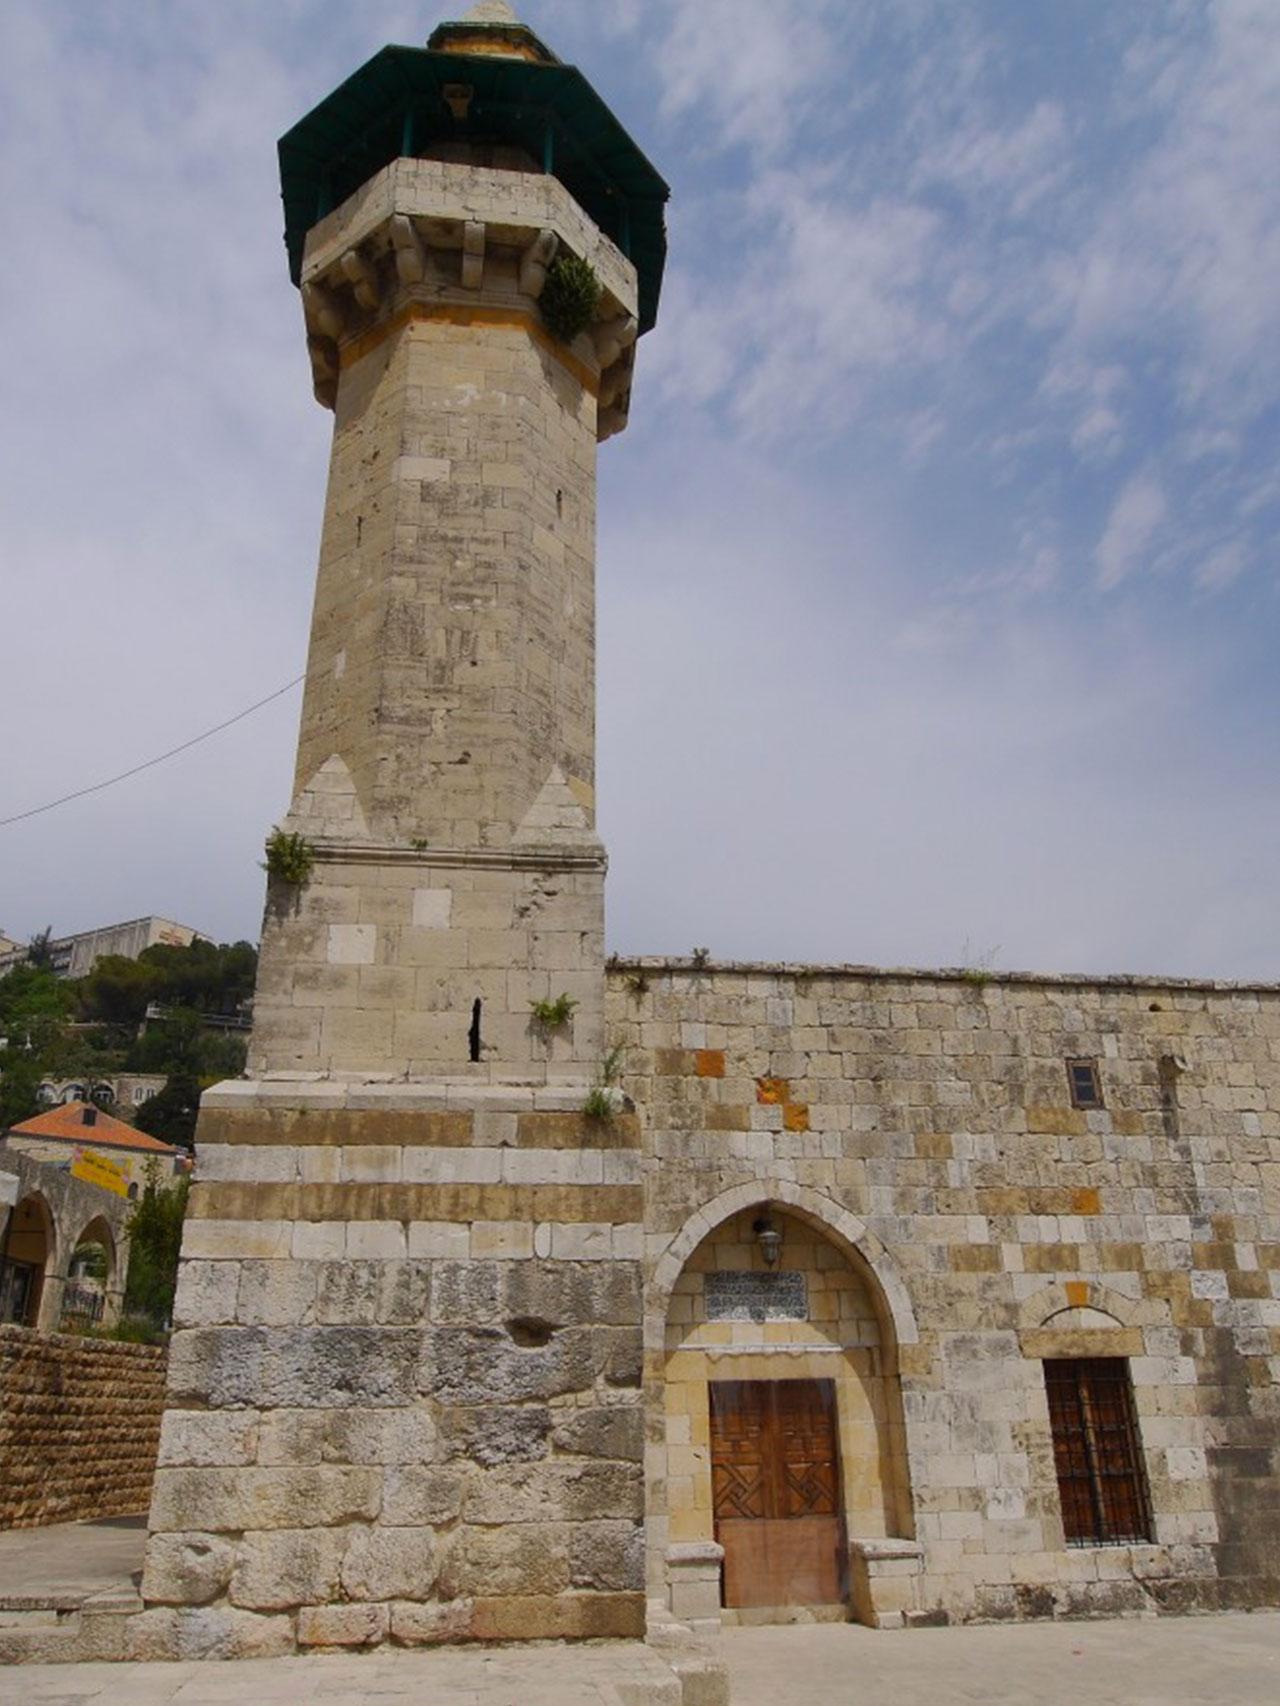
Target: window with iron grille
(1097,1452)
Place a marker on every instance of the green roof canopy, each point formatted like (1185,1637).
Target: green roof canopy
(394,106)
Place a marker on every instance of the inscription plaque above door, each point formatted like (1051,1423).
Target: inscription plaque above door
(744,1296)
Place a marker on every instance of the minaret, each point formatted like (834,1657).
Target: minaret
(404,1389)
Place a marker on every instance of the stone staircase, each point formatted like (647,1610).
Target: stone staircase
(65,1627)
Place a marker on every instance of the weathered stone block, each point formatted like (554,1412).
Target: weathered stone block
(468,1293)
(518,1559)
(404,1292)
(415,1625)
(610,1430)
(206,1293)
(229,1500)
(347,1293)
(607,1556)
(557,1492)
(422,1496)
(335,1365)
(187,1569)
(207,1632)
(276,1294)
(342,1625)
(218,1438)
(564,1617)
(483,1365)
(389,1563)
(281,1569)
(220,1367)
(497,1433)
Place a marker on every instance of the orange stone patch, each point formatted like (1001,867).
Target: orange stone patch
(1086,1201)
(1077,1293)
(772,1090)
(709,1062)
(795,1116)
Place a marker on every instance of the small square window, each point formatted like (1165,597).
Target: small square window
(1086,1086)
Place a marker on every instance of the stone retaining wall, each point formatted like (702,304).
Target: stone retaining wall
(79,1427)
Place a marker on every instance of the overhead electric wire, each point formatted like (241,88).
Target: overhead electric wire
(150,763)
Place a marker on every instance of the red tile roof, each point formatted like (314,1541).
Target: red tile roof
(67,1122)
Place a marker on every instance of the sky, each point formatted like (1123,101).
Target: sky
(938,568)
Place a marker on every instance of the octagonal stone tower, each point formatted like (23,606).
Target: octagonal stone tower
(404,1388)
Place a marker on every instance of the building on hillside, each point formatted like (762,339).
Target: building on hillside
(526,1297)
(80,1136)
(64,1241)
(126,1090)
(76,956)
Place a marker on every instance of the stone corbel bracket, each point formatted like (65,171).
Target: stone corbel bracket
(427,235)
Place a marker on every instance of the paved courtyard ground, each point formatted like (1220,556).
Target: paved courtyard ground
(1193,1661)
(1229,1661)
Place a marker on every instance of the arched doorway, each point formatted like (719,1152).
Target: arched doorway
(782,1434)
(25,1260)
(91,1294)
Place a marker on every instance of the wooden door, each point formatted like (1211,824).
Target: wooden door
(775,1483)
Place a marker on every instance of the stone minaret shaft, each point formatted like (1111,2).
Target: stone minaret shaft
(446,760)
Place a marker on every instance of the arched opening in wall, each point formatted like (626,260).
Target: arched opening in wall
(24,1261)
(91,1278)
(784,1434)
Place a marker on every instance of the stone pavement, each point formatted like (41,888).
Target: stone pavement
(69,1561)
(1230,1660)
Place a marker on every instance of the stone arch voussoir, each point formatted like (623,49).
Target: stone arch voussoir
(1040,1309)
(822,1211)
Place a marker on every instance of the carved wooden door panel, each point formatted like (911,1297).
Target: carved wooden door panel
(775,1485)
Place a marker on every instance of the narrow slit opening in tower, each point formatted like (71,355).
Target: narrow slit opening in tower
(473,1035)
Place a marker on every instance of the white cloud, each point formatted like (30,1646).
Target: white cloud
(1133,524)
(752,66)
(1018,162)
(1222,566)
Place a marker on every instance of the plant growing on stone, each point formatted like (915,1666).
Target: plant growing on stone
(700,956)
(976,968)
(598,1105)
(611,1070)
(290,857)
(570,297)
(553,1014)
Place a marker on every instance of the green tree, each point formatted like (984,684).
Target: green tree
(19,1086)
(33,1019)
(183,1042)
(40,950)
(171,1113)
(155,1240)
(31,996)
(205,977)
(117,991)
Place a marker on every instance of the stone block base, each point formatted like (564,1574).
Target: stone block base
(884,1581)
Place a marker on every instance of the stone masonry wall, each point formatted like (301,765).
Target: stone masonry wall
(925,1123)
(79,1427)
(404,1394)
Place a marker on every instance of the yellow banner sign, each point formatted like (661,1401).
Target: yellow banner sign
(95,1169)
